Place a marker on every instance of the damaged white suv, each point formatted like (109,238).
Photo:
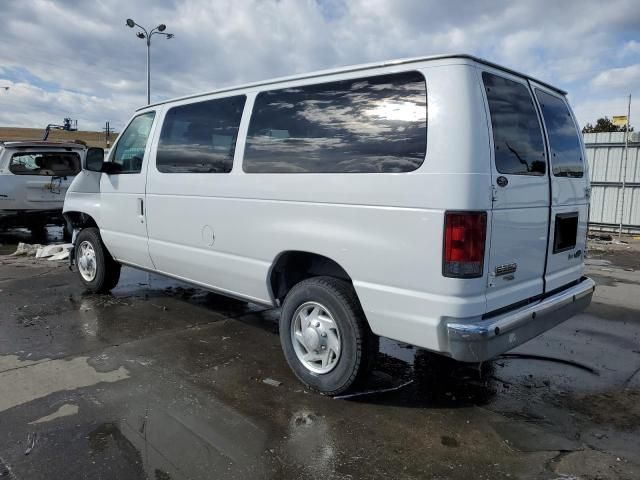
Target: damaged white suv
(440,202)
(34,177)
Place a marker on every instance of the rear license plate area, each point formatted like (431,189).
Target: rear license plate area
(566,231)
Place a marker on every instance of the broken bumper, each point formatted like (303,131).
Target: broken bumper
(479,341)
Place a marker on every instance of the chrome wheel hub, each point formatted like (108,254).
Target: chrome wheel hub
(316,337)
(86,261)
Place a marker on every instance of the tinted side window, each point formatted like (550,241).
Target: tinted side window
(566,153)
(60,164)
(132,143)
(200,137)
(373,124)
(519,148)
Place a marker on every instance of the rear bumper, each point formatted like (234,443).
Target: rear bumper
(479,341)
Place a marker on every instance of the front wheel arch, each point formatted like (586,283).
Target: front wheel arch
(80,220)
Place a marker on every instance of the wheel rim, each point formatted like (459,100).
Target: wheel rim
(86,261)
(316,337)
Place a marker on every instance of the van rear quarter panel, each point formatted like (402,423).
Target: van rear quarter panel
(385,230)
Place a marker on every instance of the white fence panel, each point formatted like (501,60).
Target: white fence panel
(605,157)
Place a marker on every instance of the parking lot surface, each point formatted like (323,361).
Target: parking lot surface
(163,381)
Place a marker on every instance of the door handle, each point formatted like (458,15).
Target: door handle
(141,209)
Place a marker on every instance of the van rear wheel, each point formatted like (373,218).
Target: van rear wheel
(97,269)
(324,335)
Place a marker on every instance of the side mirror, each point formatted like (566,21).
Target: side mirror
(94,159)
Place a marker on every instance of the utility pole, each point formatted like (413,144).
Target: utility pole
(624,167)
(107,131)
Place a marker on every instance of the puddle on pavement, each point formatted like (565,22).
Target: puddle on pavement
(125,460)
(47,377)
(65,410)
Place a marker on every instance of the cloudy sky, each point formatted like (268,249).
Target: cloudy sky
(77,58)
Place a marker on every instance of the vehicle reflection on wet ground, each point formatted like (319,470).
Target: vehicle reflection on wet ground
(164,381)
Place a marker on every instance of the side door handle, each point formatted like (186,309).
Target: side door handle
(141,209)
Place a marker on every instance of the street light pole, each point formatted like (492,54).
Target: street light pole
(148,70)
(159,30)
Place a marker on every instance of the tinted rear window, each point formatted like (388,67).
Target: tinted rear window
(200,137)
(517,138)
(373,124)
(59,164)
(564,143)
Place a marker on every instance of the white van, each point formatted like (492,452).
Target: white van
(439,201)
(34,177)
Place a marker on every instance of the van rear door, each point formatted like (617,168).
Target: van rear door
(520,186)
(569,190)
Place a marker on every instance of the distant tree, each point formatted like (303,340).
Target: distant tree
(604,125)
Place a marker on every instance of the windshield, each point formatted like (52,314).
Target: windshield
(59,164)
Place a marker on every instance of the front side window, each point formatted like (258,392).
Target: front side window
(129,151)
(200,137)
(365,125)
(517,138)
(58,164)
(564,143)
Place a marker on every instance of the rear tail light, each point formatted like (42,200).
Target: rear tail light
(464,239)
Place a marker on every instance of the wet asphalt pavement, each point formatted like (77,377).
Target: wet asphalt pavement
(162,381)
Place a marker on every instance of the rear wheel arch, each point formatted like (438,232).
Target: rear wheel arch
(290,267)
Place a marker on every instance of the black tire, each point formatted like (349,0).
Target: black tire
(38,230)
(359,344)
(67,231)
(107,269)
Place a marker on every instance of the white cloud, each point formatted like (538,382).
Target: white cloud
(619,78)
(631,47)
(98,65)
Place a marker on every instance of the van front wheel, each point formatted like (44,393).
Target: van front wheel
(325,336)
(99,272)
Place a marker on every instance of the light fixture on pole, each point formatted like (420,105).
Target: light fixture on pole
(144,34)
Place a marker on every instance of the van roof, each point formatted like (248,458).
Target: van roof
(355,68)
(39,144)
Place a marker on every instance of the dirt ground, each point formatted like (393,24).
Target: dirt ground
(160,380)
(92,139)
(625,254)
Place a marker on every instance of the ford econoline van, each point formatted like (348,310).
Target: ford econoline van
(439,201)
(34,178)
